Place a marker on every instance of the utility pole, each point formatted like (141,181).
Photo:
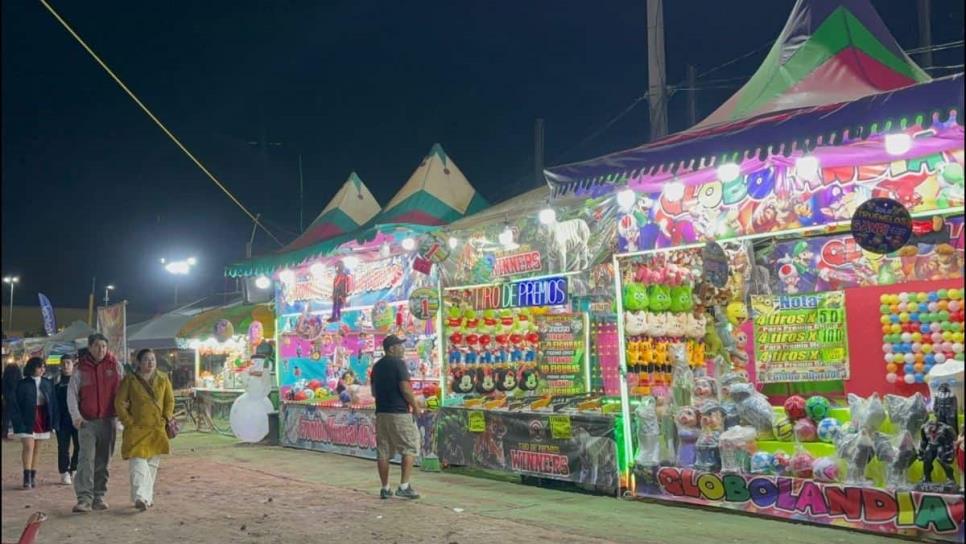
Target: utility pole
(692,97)
(301,196)
(538,152)
(656,77)
(90,303)
(925,32)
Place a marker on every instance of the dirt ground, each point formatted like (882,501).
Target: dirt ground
(213,489)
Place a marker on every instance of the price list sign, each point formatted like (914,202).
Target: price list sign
(800,338)
(560,357)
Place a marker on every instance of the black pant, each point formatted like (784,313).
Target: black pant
(65,459)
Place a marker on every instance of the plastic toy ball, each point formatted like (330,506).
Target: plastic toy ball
(763,462)
(932,296)
(805,431)
(784,429)
(817,408)
(909,379)
(800,465)
(828,428)
(891,377)
(903,296)
(826,469)
(795,407)
(920,377)
(922,297)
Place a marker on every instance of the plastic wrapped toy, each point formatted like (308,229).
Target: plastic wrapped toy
(795,407)
(708,454)
(857,449)
(782,461)
(665,420)
(682,377)
(826,469)
(800,465)
(907,413)
(687,431)
(868,414)
(705,390)
(936,446)
(737,445)
(728,404)
(904,455)
(648,434)
(784,429)
(805,431)
(753,407)
(763,462)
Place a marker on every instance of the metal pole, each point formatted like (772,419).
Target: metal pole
(10,319)
(176,292)
(656,77)
(106,296)
(90,302)
(925,32)
(692,97)
(301,195)
(538,152)
(622,356)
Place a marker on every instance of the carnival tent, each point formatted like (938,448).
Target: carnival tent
(835,74)
(350,208)
(435,194)
(161,332)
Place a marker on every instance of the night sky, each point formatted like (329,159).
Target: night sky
(91,187)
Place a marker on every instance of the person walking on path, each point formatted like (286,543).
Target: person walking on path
(90,400)
(396,413)
(144,404)
(11,377)
(66,432)
(34,407)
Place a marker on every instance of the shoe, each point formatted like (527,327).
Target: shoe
(100,504)
(82,507)
(33,478)
(385,493)
(65,479)
(408,493)
(140,505)
(26,479)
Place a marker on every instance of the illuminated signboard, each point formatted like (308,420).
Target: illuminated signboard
(519,294)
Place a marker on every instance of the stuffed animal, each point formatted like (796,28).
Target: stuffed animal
(737,313)
(648,433)
(659,325)
(678,325)
(681,299)
(659,297)
(635,297)
(635,323)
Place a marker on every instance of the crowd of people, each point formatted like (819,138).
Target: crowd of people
(91,400)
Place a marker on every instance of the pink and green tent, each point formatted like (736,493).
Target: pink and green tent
(350,208)
(436,193)
(830,51)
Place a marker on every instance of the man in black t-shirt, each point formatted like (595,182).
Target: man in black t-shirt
(396,430)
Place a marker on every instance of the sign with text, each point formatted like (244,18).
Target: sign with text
(560,358)
(923,516)
(519,294)
(881,225)
(527,443)
(517,263)
(800,337)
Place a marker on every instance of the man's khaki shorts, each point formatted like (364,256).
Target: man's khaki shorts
(396,433)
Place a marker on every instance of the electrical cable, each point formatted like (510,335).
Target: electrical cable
(156,120)
(937,47)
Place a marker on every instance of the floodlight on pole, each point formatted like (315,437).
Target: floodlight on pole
(107,291)
(12,280)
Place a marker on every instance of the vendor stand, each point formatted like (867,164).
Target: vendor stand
(528,355)
(778,323)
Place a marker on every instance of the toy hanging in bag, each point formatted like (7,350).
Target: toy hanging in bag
(737,445)
(708,454)
(753,408)
(907,413)
(897,475)
(688,432)
(648,434)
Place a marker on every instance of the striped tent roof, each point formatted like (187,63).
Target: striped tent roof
(435,194)
(350,208)
(830,51)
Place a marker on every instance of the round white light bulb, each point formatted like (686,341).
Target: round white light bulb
(729,171)
(262,282)
(674,190)
(898,144)
(626,199)
(453,242)
(408,244)
(548,216)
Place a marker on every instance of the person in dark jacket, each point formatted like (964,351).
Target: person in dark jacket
(11,376)
(33,415)
(66,432)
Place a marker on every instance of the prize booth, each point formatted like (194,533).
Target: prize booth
(790,285)
(529,344)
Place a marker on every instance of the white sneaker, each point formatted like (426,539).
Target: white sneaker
(65,479)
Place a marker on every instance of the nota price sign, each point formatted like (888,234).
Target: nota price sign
(423,303)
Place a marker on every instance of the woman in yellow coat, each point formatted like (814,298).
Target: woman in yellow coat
(144,415)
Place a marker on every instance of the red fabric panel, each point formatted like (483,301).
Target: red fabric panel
(865,337)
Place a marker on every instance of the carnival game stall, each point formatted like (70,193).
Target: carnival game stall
(356,275)
(529,359)
(789,277)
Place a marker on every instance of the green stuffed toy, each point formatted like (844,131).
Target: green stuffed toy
(635,297)
(681,299)
(660,298)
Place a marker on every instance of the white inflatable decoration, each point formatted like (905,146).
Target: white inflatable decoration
(249,412)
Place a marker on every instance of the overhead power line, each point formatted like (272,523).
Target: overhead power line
(156,120)
(937,47)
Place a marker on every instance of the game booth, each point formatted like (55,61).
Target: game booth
(789,274)
(529,345)
(356,275)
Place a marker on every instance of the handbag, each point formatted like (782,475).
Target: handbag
(171,426)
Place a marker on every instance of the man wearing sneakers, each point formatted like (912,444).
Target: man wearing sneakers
(90,400)
(396,412)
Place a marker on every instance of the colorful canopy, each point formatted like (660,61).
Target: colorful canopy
(240,315)
(830,51)
(350,208)
(436,193)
